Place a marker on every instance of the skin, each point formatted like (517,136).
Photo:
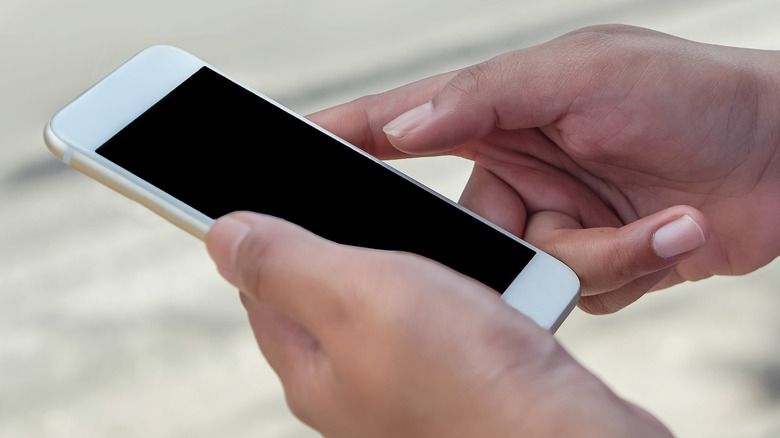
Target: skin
(589,146)
(586,145)
(382,344)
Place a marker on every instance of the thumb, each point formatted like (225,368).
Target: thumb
(504,92)
(618,265)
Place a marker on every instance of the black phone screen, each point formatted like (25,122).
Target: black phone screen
(220,148)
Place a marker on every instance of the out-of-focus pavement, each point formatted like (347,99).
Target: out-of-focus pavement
(114,323)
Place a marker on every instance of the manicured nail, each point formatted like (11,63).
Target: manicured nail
(678,237)
(408,121)
(224,237)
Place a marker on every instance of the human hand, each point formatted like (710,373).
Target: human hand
(378,344)
(639,159)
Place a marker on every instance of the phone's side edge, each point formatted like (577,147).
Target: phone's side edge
(124,186)
(55,145)
(575,298)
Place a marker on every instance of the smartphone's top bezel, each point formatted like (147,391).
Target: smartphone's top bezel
(75,133)
(94,117)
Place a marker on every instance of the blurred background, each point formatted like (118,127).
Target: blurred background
(114,323)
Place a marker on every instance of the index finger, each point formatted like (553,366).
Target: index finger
(360,122)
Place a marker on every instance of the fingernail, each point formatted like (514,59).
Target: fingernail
(408,121)
(678,237)
(223,240)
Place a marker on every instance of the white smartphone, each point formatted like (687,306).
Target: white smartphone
(173,133)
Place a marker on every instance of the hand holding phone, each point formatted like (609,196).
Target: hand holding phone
(173,133)
(383,344)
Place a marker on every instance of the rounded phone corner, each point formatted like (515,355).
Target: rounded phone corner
(546,291)
(164,47)
(166,53)
(56,146)
(568,281)
(574,300)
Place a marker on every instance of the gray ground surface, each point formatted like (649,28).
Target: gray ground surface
(114,323)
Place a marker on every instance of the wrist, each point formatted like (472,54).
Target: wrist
(570,401)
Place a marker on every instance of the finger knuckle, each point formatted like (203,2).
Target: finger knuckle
(367,138)
(624,263)
(605,36)
(477,79)
(598,305)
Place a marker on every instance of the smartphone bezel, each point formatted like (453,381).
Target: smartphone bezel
(546,290)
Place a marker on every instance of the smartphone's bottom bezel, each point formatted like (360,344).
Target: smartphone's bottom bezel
(546,291)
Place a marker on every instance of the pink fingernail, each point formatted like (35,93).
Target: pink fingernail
(408,121)
(678,237)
